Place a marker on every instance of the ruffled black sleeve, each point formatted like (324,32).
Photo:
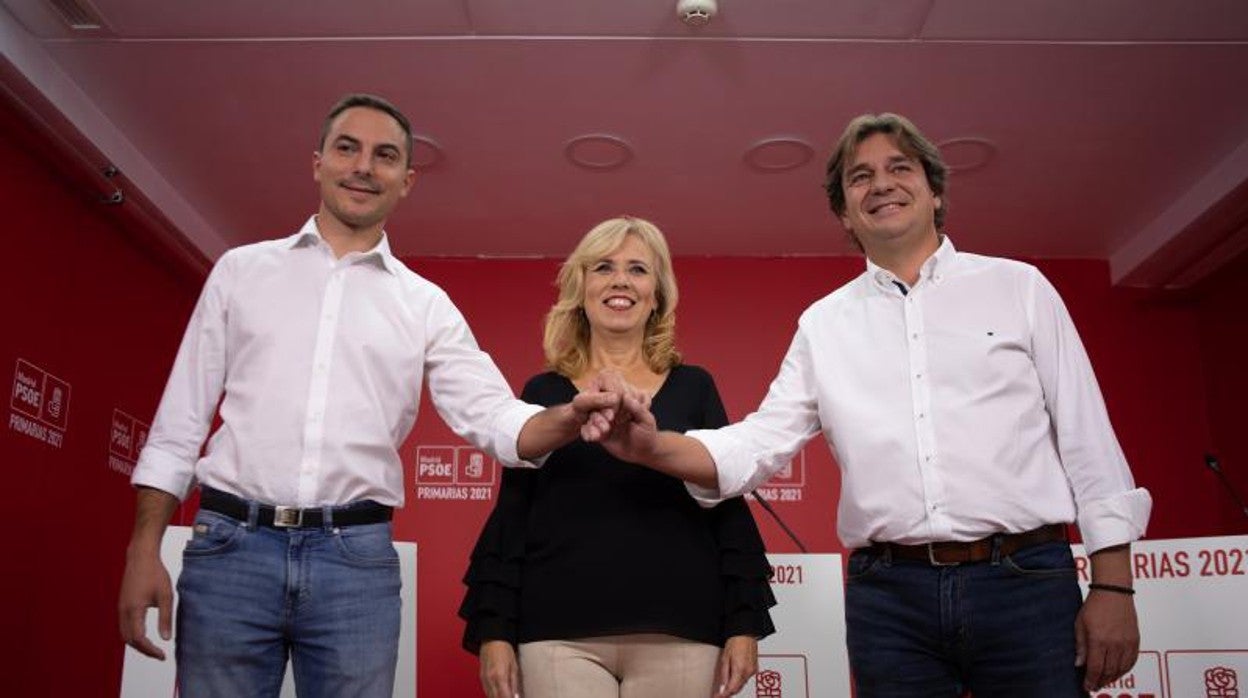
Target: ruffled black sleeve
(743,565)
(744,570)
(491,606)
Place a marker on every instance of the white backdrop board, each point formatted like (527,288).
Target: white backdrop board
(143,677)
(806,657)
(1192,600)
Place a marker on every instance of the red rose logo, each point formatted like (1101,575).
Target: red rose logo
(1221,682)
(767,684)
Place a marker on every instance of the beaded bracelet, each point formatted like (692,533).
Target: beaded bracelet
(1112,587)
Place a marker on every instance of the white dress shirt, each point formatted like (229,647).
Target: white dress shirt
(962,408)
(321,362)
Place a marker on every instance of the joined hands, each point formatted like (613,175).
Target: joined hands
(617,416)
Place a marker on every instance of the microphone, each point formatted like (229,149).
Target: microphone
(793,536)
(1211,462)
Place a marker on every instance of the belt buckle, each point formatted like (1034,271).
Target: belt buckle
(931,558)
(287,517)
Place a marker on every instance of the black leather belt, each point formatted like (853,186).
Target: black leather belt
(354,514)
(955,552)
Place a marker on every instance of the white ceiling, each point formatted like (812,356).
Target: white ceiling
(1119,127)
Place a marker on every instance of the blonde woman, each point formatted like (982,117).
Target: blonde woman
(597,578)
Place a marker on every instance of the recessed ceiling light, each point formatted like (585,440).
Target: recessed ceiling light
(967,153)
(598,151)
(778,154)
(425,152)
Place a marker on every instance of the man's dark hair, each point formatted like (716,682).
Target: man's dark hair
(908,140)
(372,102)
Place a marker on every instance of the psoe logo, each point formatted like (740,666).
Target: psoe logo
(1221,682)
(1206,673)
(454,472)
(769,683)
(39,403)
(435,465)
(125,441)
(780,676)
(788,482)
(474,467)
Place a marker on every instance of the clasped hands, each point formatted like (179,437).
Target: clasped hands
(617,415)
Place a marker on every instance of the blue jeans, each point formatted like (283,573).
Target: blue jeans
(251,596)
(995,629)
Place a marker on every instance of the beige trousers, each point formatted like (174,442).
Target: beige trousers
(618,666)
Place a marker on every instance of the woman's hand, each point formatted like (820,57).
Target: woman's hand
(500,672)
(737,663)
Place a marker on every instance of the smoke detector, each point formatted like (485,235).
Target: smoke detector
(696,13)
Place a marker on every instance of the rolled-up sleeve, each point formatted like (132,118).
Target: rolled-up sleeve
(748,453)
(469,391)
(192,393)
(1111,510)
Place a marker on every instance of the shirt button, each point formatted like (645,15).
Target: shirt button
(918,375)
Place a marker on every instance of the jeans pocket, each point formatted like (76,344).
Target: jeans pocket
(213,534)
(1044,561)
(862,566)
(370,545)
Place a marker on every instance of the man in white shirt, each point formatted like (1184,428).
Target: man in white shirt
(956,395)
(312,349)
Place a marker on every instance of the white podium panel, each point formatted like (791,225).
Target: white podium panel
(143,677)
(1192,601)
(806,658)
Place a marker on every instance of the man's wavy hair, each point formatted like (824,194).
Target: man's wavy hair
(566,340)
(908,140)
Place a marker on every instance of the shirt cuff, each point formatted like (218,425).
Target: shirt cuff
(508,426)
(163,471)
(733,465)
(706,497)
(1115,520)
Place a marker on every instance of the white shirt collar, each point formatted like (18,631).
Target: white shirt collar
(379,255)
(932,270)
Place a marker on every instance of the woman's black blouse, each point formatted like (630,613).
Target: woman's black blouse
(589,545)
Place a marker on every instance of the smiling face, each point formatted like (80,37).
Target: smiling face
(620,289)
(888,201)
(362,168)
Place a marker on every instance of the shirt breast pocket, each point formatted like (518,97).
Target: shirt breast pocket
(985,351)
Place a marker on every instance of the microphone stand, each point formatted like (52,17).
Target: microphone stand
(792,536)
(1211,462)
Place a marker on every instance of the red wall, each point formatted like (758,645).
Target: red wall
(1223,323)
(84,303)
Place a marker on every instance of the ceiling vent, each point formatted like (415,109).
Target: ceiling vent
(78,15)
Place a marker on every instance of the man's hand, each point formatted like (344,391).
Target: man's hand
(145,582)
(737,663)
(632,436)
(1107,637)
(559,425)
(599,423)
(500,672)
(144,585)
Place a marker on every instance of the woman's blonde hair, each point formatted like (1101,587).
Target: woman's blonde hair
(566,340)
